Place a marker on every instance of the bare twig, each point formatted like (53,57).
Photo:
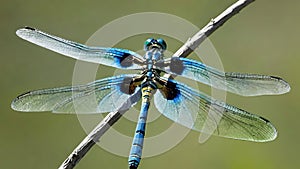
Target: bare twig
(94,136)
(86,144)
(213,25)
(184,51)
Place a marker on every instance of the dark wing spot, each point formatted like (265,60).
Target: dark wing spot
(169,90)
(127,86)
(126,60)
(176,65)
(121,56)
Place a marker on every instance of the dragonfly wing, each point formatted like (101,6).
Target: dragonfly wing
(119,58)
(238,83)
(202,113)
(103,95)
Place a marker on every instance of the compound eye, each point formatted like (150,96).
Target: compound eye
(148,43)
(162,43)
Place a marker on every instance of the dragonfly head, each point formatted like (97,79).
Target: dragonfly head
(154,50)
(155,43)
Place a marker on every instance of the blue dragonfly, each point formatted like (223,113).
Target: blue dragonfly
(175,100)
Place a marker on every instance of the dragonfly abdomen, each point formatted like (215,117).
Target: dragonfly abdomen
(138,140)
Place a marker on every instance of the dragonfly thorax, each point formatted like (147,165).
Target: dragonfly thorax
(153,55)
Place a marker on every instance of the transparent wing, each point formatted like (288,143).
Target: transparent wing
(238,83)
(103,95)
(119,58)
(193,109)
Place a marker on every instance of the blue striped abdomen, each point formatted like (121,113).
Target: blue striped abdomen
(138,140)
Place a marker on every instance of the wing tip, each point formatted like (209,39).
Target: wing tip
(267,133)
(14,104)
(273,133)
(280,86)
(285,86)
(24,30)
(270,133)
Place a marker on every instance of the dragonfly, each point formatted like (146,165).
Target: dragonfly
(175,100)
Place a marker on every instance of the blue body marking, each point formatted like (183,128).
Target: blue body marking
(138,140)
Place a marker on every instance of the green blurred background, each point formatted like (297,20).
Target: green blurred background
(262,39)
